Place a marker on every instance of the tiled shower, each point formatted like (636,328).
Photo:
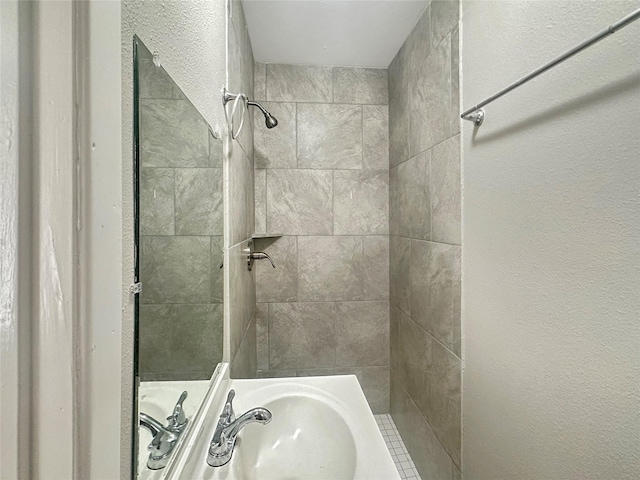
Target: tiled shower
(358,191)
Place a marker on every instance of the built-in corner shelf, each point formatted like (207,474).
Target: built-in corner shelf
(267,235)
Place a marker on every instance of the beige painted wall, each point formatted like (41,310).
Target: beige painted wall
(551,229)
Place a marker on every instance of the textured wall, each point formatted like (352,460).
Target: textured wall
(190,38)
(322,181)
(424,159)
(181,226)
(552,241)
(239,206)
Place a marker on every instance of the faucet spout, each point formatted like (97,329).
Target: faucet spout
(259,415)
(224,437)
(151,424)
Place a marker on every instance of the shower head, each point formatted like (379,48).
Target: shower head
(269,120)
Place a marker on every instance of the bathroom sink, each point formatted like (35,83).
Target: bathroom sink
(321,428)
(315,441)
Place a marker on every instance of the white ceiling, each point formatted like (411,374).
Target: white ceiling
(356,33)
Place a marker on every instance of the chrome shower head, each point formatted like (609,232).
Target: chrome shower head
(269,120)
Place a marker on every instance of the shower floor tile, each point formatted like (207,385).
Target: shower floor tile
(399,453)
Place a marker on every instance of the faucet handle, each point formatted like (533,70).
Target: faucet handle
(178,419)
(227,412)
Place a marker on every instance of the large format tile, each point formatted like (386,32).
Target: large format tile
(260,82)
(262,336)
(153,82)
(445,192)
(301,335)
(399,109)
(330,269)
(376,268)
(457,301)
(278,284)
(241,196)
(417,48)
(361,202)
(217,272)
(216,155)
(432,271)
(260,192)
(172,134)
(157,201)
(360,85)
(155,328)
(429,456)
(455,82)
(175,269)
(299,202)
(410,198)
(242,296)
(198,201)
(375,137)
(244,365)
(276,147)
(399,272)
(444,405)
(362,334)
(329,136)
(196,341)
(431,100)
(297,83)
(444,18)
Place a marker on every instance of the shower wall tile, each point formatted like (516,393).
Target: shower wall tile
(431,100)
(329,136)
(175,269)
(217,273)
(424,223)
(399,272)
(299,202)
(432,268)
(262,336)
(360,85)
(301,335)
(157,215)
(244,365)
(276,147)
(457,301)
(444,403)
(444,18)
(172,134)
(455,82)
(411,197)
(296,83)
(198,201)
(375,137)
(330,268)
(361,202)
(430,458)
(242,298)
(329,197)
(152,84)
(376,268)
(197,328)
(169,335)
(399,108)
(445,192)
(260,82)
(241,196)
(260,191)
(362,334)
(278,284)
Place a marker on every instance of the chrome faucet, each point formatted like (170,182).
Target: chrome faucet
(224,437)
(166,437)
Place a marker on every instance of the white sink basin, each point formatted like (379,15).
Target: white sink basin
(321,429)
(158,399)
